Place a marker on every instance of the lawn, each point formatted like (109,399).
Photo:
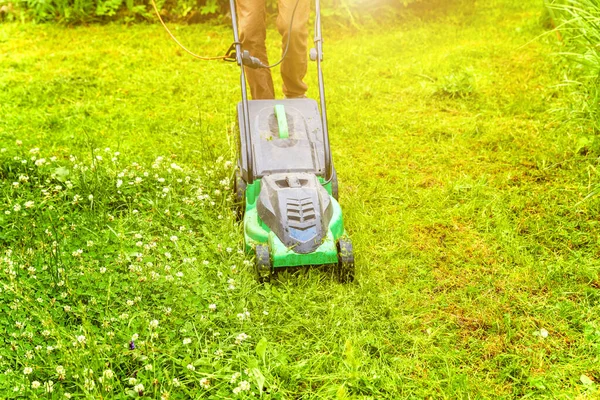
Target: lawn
(463,182)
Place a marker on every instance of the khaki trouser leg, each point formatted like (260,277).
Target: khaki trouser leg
(293,67)
(253,32)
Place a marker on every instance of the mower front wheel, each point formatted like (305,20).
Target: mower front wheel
(263,265)
(345,267)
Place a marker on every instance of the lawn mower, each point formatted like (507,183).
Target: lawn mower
(286,186)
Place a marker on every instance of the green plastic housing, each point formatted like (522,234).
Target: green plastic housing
(257,232)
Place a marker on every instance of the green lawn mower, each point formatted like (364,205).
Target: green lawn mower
(285,184)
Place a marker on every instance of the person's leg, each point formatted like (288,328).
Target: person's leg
(253,32)
(293,67)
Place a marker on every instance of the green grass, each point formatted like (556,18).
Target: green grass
(464,195)
(577,26)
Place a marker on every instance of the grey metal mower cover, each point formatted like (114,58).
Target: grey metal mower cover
(303,151)
(297,208)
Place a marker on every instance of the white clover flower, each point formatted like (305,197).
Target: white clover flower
(67,395)
(165,190)
(179,274)
(108,374)
(40,162)
(543,333)
(60,370)
(174,238)
(191,367)
(67,308)
(205,383)
(132,381)
(35,385)
(244,385)
(29,204)
(81,339)
(153,324)
(27,370)
(17,207)
(235,377)
(187,341)
(148,367)
(244,315)
(89,384)
(135,336)
(102,270)
(139,388)
(241,337)
(212,307)
(176,382)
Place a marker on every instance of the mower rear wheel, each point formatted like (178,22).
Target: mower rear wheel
(239,187)
(345,267)
(263,265)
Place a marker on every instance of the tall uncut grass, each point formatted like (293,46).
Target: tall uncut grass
(579,24)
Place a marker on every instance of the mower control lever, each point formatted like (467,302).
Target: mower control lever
(250,61)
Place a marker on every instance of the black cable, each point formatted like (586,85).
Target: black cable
(287,45)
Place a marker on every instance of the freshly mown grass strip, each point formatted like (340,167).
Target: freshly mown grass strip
(464,196)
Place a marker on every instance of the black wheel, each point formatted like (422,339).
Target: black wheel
(263,263)
(334,184)
(345,267)
(239,187)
